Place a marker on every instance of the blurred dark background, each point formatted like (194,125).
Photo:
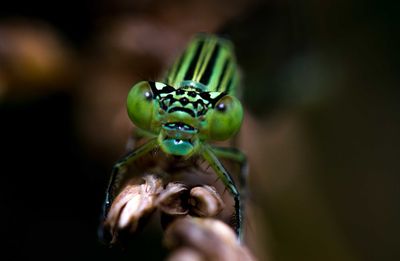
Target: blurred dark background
(321,129)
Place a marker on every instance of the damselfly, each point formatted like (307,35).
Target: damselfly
(192,106)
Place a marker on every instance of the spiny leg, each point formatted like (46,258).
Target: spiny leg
(117,173)
(225,177)
(119,169)
(239,157)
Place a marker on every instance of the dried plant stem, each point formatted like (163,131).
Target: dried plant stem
(191,231)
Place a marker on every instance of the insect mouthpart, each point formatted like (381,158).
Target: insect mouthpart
(179,125)
(178,138)
(178,142)
(179,129)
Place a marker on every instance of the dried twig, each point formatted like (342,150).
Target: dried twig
(191,230)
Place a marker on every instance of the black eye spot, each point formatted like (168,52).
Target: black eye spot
(180,92)
(192,94)
(184,101)
(221,107)
(148,95)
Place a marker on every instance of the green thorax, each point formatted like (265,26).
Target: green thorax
(208,63)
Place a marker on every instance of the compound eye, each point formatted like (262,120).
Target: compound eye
(140,105)
(226,118)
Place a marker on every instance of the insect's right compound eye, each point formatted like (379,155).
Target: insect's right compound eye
(140,105)
(225,119)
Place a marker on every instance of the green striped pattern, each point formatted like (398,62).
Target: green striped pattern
(208,63)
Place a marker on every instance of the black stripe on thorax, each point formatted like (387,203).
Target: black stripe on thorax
(189,73)
(221,76)
(205,78)
(229,84)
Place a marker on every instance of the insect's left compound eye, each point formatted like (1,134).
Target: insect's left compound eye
(140,105)
(226,118)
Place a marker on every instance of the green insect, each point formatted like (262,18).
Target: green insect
(194,105)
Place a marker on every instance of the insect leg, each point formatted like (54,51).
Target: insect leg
(119,170)
(136,135)
(239,157)
(226,178)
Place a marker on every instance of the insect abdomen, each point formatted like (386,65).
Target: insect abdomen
(208,61)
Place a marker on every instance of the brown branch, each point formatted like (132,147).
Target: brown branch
(188,215)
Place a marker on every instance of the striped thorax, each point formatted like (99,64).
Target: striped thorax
(207,64)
